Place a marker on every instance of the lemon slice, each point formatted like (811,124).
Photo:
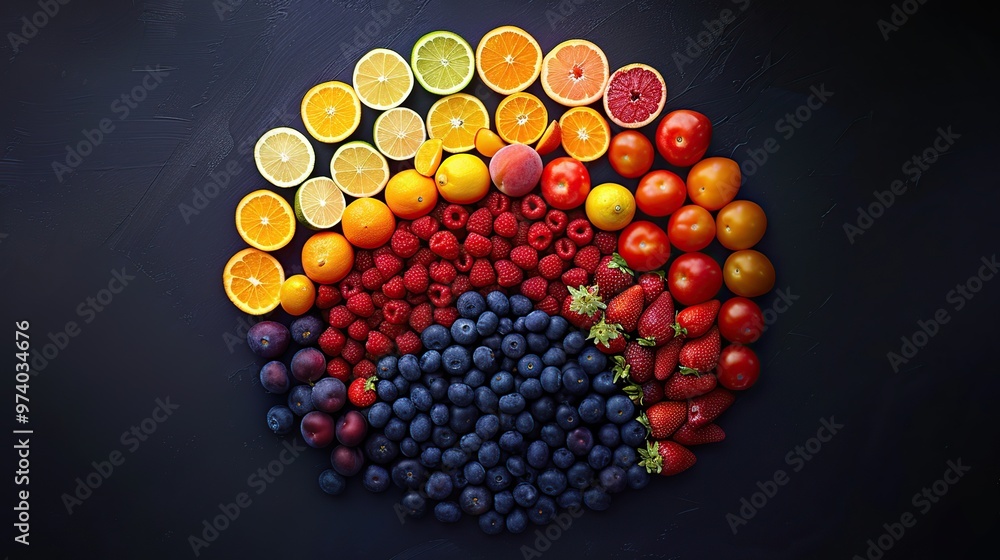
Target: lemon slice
(399,133)
(331,111)
(284,157)
(455,120)
(382,79)
(252,280)
(443,62)
(319,203)
(359,169)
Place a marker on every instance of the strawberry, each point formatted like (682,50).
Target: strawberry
(378,344)
(559,291)
(666,359)
(424,227)
(625,308)
(505,225)
(652,392)
(404,244)
(340,316)
(445,316)
(496,202)
(565,248)
(353,351)
(327,296)
(655,322)
(549,304)
(666,458)
(639,357)
(480,222)
(442,272)
(539,236)
(363,260)
(477,245)
(663,418)
(408,343)
(508,275)
(583,306)
(361,304)
(535,288)
(416,279)
(396,312)
(440,295)
(444,244)
(587,258)
(482,273)
(575,277)
(501,248)
(332,341)
(613,275)
(424,257)
(607,337)
(361,392)
(695,321)
(351,285)
(364,369)
(652,285)
(580,232)
(701,354)
(454,217)
(680,386)
(556,220)
(606,242)
(338,368)
(708,407)
(421,317)
(394,288)
(460,285)
(358,330)
(525,257)
(709,433)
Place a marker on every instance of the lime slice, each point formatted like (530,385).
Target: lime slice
(443,62)
(382,79)
(284,157)
(319,203)
(359,169)
(399,132)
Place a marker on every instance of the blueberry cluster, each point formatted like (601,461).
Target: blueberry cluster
(509,416)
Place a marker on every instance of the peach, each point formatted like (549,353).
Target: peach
(516,169)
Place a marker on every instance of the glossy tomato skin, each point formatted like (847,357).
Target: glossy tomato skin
(631,154)
(694,278)
(660,193)
(741,320)
(683,136)
(644,246)
(738,367)
(692,228)
(565,183)
(740,225)
(749,273)
(713,182)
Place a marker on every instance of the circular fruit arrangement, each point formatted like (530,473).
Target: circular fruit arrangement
(484,329)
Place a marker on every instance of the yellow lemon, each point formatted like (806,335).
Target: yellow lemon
(610,206)
(463,179)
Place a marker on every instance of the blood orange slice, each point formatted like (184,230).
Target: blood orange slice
(635,95)
(575,73)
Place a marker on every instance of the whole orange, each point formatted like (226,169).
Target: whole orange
(368,223)
(327,257)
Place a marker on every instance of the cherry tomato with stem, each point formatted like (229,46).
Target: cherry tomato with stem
(644,246)
(683,136)
(565,183)
(738,367)
(631,154)
(692,228)
(749,273)
(694,278)
(741,320)
(740,225)
(660,193)
(713,182)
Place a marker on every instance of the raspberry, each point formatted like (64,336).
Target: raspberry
(556,220)
(445,316)
(378,344)
(387,263)
(588,258)
(505,225)
(416,299)
(396,312)
(338,368)
(501,248)
(521,237)
(351,285)
(481,222)
(580,232)
(539,236)
(415,279)
(376,317)
(371,279)
(550,267)
(565,248)
(340,317)
(575,277)
(332,341)
(439,294)
(408,343)
(358,330)
(477,245)
(454,217)
(525,257)
(392,331)
(533,207)
(460,285)
(442,272)
(558,290)
(549,305)
(327,296)
(464,261)
(606,242)
(394,288)
(423,257)
(364,369)
(444,244)
(353,351)
(361,304)
(424,227)
(508,275)
(482,273)
(421,317)
(363,260)
(438,212)
(404,243)
(379,299)
(497,203)
(535,288)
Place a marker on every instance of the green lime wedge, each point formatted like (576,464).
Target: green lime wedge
(442,62)
(319,204)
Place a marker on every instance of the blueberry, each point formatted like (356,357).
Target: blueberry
(516,521)
(502,382)
(331,482)
(403,409)
(566,417)
(474,472)
(604,383)
(543,409)
(487,426)
(454,458)
(379,415)
(599,457)
(280,419)
(537,343)
(524,422)
(592,360)
(402,385)
(475,500)
(470,443)
(268,339)
(430,360)
(574,342)
(430,457)
(458,478)
(503,502)
(487,323)
(409,447)
(596,499)
(579,475)
(543,510)
(274,378)
(551,379)
(475,378)
(396,429)
(511,441)
(571,498)
(620,409)
(376,478)
(300,400)
(439,414)
(408,366)
(514,346)
(420,427)
(520,305)
(556,329)
(455,360)
(460,394)
(484,358)
(470,305)
(438,486)
(463,331)
(554,357)
(512,403)
(580,441)
(625,456)
(443,437)
(413,504)
(638,478)
(486,400)
(421,397)
(489,454)
(491,522)
(386,390)
(506,421)
(590,410)
(438,387)
(537,321)
(613,479)
(530,365)
(498,478)
(447,512)
(609,436)
(575,381)
(505,326)
(508,364)
(563,458)
(553,435)
(498,303)
(387,367)
(463,419)
(380,449)
(525,494)
(519,326)
(436,337)
(633,434)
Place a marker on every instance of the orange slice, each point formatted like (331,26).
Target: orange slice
(550,140)
(253,280)
(265,220)
(455,120)
(331,111)
(575,73)
(508,59)
(585,133)
(521,118)
(488,142)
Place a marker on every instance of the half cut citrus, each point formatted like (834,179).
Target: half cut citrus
(252,280)
(358,169)
(585,133)
(331,111)
(265,220)
(521,118)
(455,120)
(382,79)
(428,157)
(319,203)
(399,133)
(508,59)
(442,62)
(284,157)
(575,73)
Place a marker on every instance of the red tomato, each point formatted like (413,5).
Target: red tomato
(631,154)
(691,228)
(682,137)
(749,273)
(644,246)
(565,183)
(713,182)
(694,278)
(740,320)
(660,193)
(738,367)
(740,225)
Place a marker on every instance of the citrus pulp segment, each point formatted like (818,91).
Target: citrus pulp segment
(284,157)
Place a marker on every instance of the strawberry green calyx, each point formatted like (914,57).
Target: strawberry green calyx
(370,383)
(620,369)
(585,300)
(603,332)
(644,420)
(679,331)
(661,273)
(684,370)
(646,341)
(618,262)
(634,392)
(650,458)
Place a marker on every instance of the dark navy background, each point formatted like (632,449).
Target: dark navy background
(212,77)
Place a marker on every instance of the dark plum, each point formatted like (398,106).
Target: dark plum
(274,377)
(317,429)
(329,394)
(347,461)
(300,400)
(306,330)
(308,365)
(268,339)
(352,428)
